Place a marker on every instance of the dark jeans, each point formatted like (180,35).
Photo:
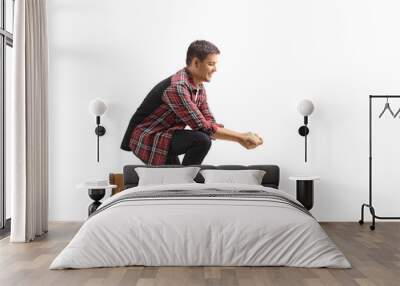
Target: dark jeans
(194,144)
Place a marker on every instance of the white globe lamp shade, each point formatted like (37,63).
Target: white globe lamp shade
(97,107)
(305,107)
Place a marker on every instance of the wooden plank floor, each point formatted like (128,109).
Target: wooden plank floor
(374,255)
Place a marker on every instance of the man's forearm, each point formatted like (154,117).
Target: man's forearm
(227,134)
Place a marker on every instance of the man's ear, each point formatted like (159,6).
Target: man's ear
(196,62)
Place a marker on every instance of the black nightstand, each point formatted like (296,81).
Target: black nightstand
(96,193)
(305,190)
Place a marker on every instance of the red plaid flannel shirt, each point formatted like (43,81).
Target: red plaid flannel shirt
(180,106)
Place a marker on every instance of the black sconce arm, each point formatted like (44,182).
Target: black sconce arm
(303,131)
(100,131)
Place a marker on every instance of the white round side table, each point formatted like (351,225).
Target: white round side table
(96,193)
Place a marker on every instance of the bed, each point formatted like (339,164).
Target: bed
(201,224)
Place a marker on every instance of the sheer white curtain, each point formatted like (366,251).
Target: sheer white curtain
(29,122)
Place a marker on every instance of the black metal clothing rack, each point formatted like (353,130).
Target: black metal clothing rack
(369,205)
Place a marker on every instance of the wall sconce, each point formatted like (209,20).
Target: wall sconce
(305,108)
(97,107)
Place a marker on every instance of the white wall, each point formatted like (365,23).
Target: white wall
(274,53)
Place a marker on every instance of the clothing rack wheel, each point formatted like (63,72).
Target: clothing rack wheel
(372,211)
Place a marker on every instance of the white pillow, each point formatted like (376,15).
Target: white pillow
(162,176)
(249,177)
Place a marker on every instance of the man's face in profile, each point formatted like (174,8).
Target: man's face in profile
(206,68)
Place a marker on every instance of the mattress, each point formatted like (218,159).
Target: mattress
(201,225)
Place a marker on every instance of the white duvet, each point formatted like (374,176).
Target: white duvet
(200,231)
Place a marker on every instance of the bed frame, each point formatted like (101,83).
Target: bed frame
(130,179)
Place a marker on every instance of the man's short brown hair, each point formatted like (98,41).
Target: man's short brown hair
(200,49)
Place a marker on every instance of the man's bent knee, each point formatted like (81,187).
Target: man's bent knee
(203,139)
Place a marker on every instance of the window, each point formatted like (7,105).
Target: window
(6,44)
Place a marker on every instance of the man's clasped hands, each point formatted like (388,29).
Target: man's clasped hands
(250,140)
